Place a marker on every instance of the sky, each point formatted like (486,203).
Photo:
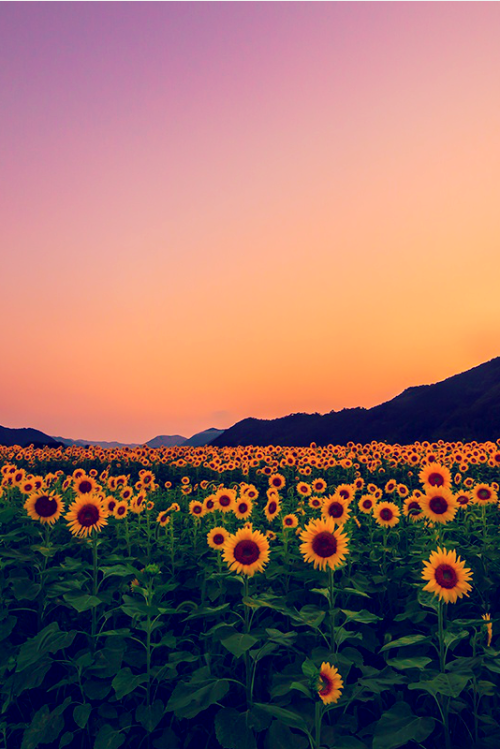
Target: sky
(210,211)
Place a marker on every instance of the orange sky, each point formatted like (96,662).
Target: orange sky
(213,211)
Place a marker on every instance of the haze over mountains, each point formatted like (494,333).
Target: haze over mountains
(464,407)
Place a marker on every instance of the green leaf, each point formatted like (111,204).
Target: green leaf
(288,717)
(355,592)
(45,726)
(150,715)
(190,698)
(280,736)
(449,685)
(66,739)
(239,643)
(403,663)
(232,729)
(81,601)
(362,617)
(125,682)
(403,642)
(49,640)
(398,726)
(309,669)
(81,714)
(108,738)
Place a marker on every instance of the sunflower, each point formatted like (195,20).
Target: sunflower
(44,506)
(243,508)
(315,502)
(304,489)
(345,492)
(272,509)
(483,494)
(387,514)
(196,508)
(336,508)
(225,499)
(121,509)
(390,486)
(463,498)
(322,544)
(435,476)
(246,552)
(367,503)
(126,492)
(110,504)
(439,505)
(217,537)
(412,508)
(290,521)
(209,503)
(447,575)
(277,481)
(84,485)
(319,486)
(85,515)
(330,684)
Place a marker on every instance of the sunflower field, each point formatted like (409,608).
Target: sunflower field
(340,597)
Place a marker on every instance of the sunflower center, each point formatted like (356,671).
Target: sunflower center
(463,499)
(85,487)
(344,494)
(88,515)
(120,510)
(367,504)
(414,508)
(197,509)
(218,539)
(436,479)
(243,507)
(386,514)
(45,507)
(246,552)
(210,504)
(336,510)
(438,505)
(324,685)
(224,501)
(277,482)
(324,544)
(446,576)
(272,508)
(483,494)
(111,505)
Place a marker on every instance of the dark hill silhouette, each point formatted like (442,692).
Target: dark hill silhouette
(464,407)
(26,436)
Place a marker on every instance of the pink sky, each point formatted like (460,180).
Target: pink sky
(217,210)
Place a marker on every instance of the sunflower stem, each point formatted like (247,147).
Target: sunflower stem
(248,674)
(442,663)
(331,599)
(94,589)
(318,716)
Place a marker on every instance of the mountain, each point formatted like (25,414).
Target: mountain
(166,440)
(26,436)
(464,407)
(203,438)
(102,443)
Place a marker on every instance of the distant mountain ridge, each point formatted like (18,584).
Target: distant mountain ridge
(163,440)
(26,436)
(463,407)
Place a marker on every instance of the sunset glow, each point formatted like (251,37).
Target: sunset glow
(215,210)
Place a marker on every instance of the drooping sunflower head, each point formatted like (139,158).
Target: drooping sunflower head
(246,552)
(46,507)
(439,505)
(330,684)
(86,515)
(447,576)
(322,544)
(387,514)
